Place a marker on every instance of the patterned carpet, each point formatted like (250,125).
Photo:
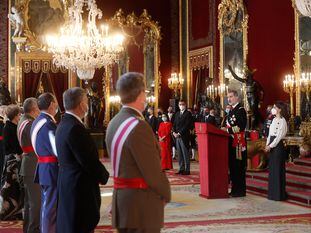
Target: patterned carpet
(189,213)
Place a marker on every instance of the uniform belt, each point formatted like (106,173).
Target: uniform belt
(47,159)
(27,149)
(129,183)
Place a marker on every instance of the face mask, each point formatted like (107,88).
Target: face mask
(164,119)
(86,110)
(273,111)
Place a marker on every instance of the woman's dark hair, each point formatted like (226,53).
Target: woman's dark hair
(284,109)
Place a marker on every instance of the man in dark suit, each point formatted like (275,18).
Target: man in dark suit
(183,123)
(32,199)
(152,120)
(80,171)
(236,124)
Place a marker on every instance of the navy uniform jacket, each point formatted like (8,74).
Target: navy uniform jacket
(43,141)
(236,120)
(80,173)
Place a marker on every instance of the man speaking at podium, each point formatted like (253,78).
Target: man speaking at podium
(235,126)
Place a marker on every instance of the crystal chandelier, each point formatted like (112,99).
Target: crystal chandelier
(82,47)
(304,7)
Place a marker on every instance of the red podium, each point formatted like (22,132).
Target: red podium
(213,158)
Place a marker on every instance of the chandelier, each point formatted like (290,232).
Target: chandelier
(82,47)
(304,7)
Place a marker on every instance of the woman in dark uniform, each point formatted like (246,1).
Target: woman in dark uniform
(277,156)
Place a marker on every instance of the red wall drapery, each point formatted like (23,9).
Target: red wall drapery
(270,42)
(55,83)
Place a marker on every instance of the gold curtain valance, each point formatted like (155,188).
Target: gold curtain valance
(45,66)
(200,58)
(199,62)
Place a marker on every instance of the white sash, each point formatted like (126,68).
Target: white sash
(21,130)
(35,131)
(118,140)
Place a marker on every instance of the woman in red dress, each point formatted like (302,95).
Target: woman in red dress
(164,133)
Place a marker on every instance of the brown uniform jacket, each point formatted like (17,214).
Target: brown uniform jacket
(29,160)
(140,158)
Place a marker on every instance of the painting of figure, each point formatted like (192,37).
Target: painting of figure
(45,16)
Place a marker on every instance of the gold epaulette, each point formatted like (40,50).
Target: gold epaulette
(236,129)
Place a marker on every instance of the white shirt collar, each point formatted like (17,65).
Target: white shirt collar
(135,109)
(49,115)
(233,106)
(78,118)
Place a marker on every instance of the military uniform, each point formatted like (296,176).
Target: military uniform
(32,202)
(236,124)
(43,141)
(141,189)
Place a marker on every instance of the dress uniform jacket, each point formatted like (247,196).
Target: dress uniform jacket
(236,124)
(138,208)
(43,141)
(80,173)
(29,161)
(28,167)
(44,145)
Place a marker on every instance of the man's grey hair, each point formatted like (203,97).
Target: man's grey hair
(73,97)
(29,104)
(129,86)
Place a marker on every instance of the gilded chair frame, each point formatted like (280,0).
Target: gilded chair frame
(227,11)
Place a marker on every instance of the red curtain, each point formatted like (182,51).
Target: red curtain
(60,84)
(200,78)
(55,83)
(30,81)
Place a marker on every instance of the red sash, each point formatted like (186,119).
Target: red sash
(239,143)
(129,183)
(116,149)
(47,159)
(27,149)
